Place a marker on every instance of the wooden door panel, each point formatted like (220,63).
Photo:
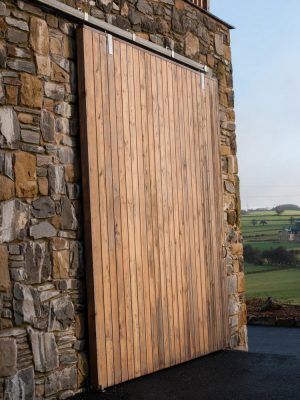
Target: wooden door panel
(153,210)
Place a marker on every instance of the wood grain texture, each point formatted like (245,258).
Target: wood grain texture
(153,210)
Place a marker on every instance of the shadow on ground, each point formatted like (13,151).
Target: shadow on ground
(225,375)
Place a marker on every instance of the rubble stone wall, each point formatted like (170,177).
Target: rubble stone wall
(43,335)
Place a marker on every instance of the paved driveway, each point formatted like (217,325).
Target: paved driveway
(227,375)
(274,340)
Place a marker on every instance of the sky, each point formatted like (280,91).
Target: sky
(266,65)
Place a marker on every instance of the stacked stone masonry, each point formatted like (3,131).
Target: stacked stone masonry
(43,336)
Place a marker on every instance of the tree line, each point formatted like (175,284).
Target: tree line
(279,255)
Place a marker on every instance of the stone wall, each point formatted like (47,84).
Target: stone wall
(43,349)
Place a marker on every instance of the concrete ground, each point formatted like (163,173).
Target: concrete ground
(274,340)
(225,375)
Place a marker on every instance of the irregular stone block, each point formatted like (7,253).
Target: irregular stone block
(47,126)
(61,263)
(11,94)
(42,230)
(76,259)
(8,166)
(8,356)
(17,23)
(44,207)
(66,155)
(25,172)
(5,283)
(83,369)
(17,274)
(13,332)
(55,45)
(241,283)
(54,91)
(73,190)
(30,136)
(61,313)
(66,27)
(14,220)
(9,126)
(231,217)
(64,109)
(37,262)
(16,36)
(232,284)
(28,7)
(39,36)
(69,284)
(43,160)
(80,326)
(56,179)
(44,349)
(26,304)
(59,244)
(191,45)
(7,188)
(14,51)
(68,358)
(22,65)
(69,220)
(62,62)
(2,93)
(3,9)
(43,65)
(43,186)
(48,295)
(229,186)
(3,55)
(59,75)
(20,386)
(14,249)
(219,44)
(234,306)
(61,380)
(62,125)
(31,91)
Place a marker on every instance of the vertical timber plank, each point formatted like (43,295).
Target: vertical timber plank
(91,199)
(127,107)
(145,327)
(115,113)
(102,162)
(162,304)
(122,121)
(180,216)
(134,119)
(146,232)
(162,225)
(172,178)
(126,190)
(157,331)
(168,226)
(200,272)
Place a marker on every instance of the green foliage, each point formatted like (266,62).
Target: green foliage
(279,255)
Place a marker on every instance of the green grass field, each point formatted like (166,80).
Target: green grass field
(264,237)
(282,283)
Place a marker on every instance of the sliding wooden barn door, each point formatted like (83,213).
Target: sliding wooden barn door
(153,210)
